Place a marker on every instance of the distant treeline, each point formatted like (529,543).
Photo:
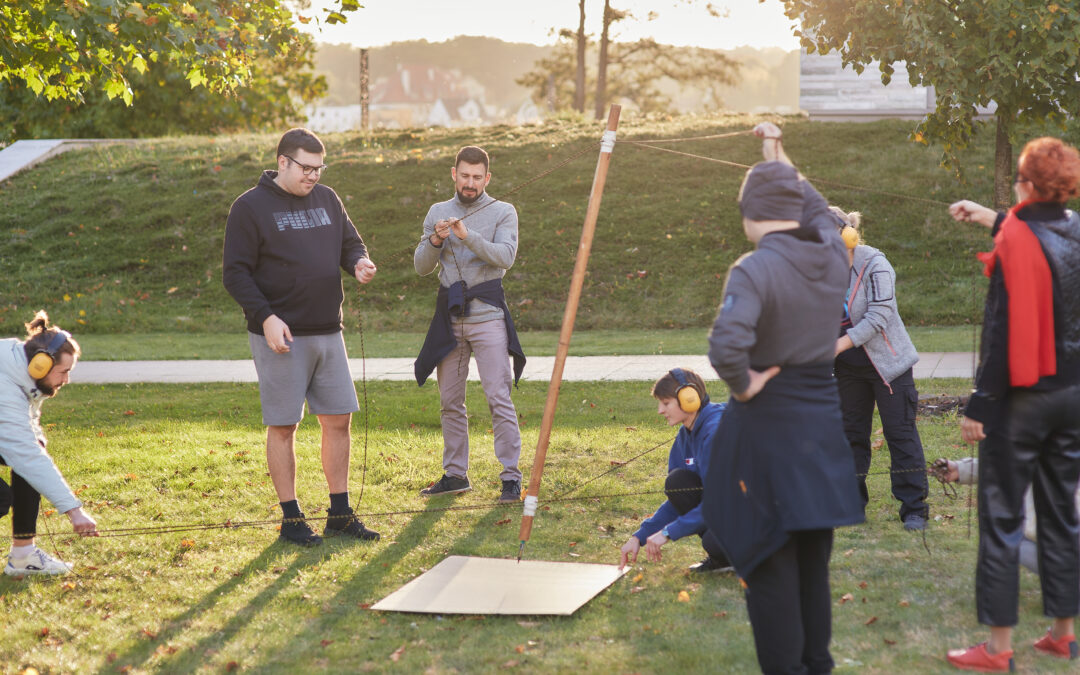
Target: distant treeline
(768,78)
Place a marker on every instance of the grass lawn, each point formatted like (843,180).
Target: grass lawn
(116,239)
(237,600)
(155,346)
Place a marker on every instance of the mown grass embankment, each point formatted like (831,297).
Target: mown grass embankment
(127,239)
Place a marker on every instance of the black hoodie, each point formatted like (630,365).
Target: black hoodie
(282,254)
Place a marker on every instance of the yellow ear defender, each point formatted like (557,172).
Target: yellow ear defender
(689,399)
(850,236)
(44,358)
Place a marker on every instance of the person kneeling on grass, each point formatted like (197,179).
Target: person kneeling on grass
(682,400)
(30,372)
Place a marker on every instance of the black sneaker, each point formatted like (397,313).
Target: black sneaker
(914,522)
(299,532)
(511,492)
(447,485)
(348,524)
(711,564)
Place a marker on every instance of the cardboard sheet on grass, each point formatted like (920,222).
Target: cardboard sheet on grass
(468,585)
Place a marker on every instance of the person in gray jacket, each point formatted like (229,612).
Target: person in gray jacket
(31,371)
(472,240)
(874,359)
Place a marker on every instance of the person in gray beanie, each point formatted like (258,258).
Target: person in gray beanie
(781,474)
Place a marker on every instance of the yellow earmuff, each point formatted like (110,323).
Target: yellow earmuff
(44,359)
(689,399)
(850,236)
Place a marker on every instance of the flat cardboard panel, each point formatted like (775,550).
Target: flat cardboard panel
(467,585)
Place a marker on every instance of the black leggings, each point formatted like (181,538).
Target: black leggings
(24,502)
(683,490)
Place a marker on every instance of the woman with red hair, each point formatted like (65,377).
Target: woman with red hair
(1025,411)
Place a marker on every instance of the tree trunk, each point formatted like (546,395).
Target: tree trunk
(1003,162)
(579,81)
(601,64)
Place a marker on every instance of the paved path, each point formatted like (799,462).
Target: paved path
(22,155)
(578,368)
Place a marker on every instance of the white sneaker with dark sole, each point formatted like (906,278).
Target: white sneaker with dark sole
(38,562)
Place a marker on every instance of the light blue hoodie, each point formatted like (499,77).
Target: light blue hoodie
(22,442)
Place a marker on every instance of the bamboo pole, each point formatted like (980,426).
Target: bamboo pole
(576,283)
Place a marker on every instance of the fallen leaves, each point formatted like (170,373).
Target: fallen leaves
(396,655)
(684,596)
(870,621)
(639,577)
(846,597)
(504,521)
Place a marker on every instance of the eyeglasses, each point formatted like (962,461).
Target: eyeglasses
(308,170)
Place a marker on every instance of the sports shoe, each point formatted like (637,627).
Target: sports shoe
(914,522)
(36,562)
(977,658)
(297,531)
(511,492)
(348,524)
(711,564)
(447,485)
(1063,648)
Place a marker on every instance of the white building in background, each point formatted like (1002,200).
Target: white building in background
(829,91)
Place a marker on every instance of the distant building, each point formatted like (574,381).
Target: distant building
(829,91)
(414,96)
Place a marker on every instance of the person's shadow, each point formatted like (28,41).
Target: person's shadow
(372,572)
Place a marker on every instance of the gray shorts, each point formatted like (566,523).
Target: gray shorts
(315,368)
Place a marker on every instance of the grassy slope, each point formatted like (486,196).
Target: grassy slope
(127,239)
(198,601)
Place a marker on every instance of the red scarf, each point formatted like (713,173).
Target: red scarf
(1030,289)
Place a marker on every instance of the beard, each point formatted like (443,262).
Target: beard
(468,200)
(45,389)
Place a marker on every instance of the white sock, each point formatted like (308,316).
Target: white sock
(20,552)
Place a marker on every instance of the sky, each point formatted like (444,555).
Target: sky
(380,22)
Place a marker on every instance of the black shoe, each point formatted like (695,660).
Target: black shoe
(711,564)
(348,524)
(447,485)
(914,522)
(299,532)
(511,492)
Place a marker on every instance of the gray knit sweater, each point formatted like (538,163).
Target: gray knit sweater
(485,254)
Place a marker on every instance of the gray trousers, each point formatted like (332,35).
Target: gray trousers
(486,342)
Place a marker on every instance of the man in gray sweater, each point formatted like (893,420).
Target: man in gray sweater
(472,240)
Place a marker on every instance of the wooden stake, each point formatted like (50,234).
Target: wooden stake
(576,283)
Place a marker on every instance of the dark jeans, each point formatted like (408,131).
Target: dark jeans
(683,490)
(787,598)
(1037,443)
(860,389)
(24,502)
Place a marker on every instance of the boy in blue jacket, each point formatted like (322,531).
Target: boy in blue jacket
(682,400)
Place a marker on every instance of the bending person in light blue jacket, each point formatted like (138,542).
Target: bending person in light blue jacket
(682,400)
(30,372)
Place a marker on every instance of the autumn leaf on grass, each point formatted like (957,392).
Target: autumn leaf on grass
(324,643)
(396,656)
(870,621)
(149,633)
(187,543)
(637,589)
(863,584)
(520,649)
(504,521)
(846,597)
(684,596)
(876,445)
(639,577)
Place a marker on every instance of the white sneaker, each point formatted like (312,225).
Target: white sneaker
(37,562)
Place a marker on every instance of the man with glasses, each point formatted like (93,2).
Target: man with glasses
(285,240)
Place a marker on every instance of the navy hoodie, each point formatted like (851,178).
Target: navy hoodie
(282,255)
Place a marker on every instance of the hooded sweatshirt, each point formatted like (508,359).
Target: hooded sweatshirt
(782,304)
(282,255)
(22,442)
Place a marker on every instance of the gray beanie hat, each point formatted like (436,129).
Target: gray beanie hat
(771,191)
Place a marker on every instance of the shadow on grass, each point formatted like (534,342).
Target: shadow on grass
(372,573)
(143,651)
